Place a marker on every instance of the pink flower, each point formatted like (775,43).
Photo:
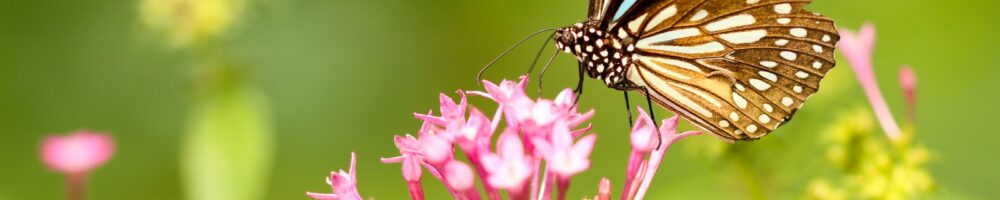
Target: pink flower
(563,156)
(508,168)
(459,176)
(411,155)
(641,169)
(506,91)
(908,80)
(857,49)
(77,153)
(344,185)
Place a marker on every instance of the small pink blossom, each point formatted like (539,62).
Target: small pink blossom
(508,168)
(77,153)
(564,157)
(506,91)
(459,176)
(344,184)
(857,49)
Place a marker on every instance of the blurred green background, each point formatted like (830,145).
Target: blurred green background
(345,76)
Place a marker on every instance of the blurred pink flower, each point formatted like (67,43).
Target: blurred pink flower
(344,184)
(857,49)
(908,80)
(77,153)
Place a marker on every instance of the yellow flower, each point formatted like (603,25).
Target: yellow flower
(184,22)
(821,189)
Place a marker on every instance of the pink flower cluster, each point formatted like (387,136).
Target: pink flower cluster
(539,149)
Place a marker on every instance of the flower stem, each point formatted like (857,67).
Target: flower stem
(76,186)
(416,190)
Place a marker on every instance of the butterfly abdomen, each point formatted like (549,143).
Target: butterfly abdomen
(603,56)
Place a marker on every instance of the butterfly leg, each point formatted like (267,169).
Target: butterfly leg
(649,105)
(628,109)
(579,84)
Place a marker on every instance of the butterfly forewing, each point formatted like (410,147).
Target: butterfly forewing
(738,68)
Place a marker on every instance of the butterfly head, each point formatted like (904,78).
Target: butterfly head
(567,37)
(603,57)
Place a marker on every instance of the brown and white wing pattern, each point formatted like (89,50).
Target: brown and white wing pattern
(737,68)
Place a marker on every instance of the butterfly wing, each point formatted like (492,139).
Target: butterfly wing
(607,11)
(737,68)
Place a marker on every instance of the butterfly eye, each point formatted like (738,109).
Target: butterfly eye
(565,37)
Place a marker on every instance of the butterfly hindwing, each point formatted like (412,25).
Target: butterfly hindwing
(738,68)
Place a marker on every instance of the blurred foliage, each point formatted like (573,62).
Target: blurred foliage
(342,76)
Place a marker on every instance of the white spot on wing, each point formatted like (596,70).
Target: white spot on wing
(798,32)
(768,64)
(817,48)
(764,118)
(701,14)
(634,24)
(802,74)
(740,101)
(781,42)
(759,85)
(769,76)
(731,22)
(784,20)
(784,8)
(788,55)
(697,49)
(664,14)
(745,36)
(787,101)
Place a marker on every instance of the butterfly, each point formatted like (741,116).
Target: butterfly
(736,68)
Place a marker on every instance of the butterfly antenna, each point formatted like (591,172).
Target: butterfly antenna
(481,71)
(540,51)
(541,76)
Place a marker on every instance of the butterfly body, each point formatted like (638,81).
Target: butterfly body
(736,68)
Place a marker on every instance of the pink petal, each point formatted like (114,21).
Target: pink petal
(411,170)
(857,49)
(79,152)
(321,196)
(436,150)
(459,175)
(509,146)
(584,146)
(642,136)
(604,189)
